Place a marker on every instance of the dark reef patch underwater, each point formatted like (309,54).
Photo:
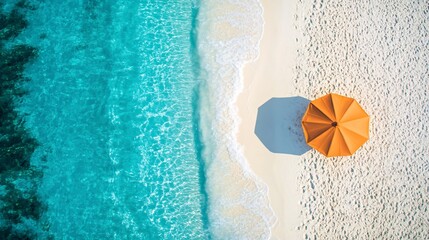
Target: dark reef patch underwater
(20,206)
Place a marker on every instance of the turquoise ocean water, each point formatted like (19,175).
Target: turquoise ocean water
(112,102)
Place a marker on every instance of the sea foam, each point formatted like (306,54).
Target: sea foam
(228,38)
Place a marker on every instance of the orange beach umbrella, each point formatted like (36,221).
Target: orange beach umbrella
(335,125)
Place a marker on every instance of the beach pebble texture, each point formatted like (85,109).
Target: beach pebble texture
(376,52)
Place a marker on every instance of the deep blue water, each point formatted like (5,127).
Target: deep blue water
(112,102)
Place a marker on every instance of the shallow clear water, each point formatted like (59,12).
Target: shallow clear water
(112,102)
(132,106)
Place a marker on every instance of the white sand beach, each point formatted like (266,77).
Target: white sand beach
(271,75)
(376,52)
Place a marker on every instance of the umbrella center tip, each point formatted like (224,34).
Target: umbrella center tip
(334,124)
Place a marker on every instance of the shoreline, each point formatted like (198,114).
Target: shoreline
(229,37)
(271,75)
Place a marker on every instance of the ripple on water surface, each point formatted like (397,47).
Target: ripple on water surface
(110,101)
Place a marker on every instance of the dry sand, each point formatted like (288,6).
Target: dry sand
(374,51)
(272,76)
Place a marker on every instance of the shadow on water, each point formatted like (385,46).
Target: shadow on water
(278,125)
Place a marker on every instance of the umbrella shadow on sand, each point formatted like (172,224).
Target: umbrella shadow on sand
(278,125)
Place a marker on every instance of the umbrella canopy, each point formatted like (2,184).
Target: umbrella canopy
(335,125)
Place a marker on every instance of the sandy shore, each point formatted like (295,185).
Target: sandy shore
(272,76)
(373,51)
